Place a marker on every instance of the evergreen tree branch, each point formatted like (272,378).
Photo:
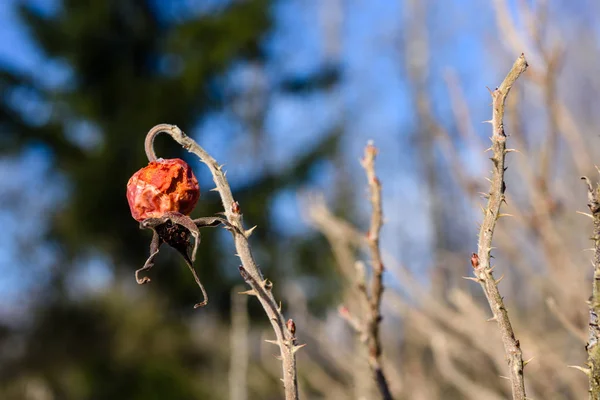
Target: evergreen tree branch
(481,260)
(249,270)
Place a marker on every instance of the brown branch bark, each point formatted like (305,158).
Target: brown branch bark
(481,260)
(593,345)
(249,270)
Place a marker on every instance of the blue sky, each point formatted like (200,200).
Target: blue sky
(373,101)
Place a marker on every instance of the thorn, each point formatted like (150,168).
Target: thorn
(505,215)
(504,377)
(250,292)
(214,189)
(491,319)
(296,348)
(225,174)
(275,342)
(499,279)
(511,151)
(249,232)
(279,308)
(491,269)
(587,181)
(488,149)
(527,362)
(220,167)
(278,357)
(586,214)
(267,284)
(488,179)
(489,121)
(483,210)
(584,370)
(472,279)
(484,195)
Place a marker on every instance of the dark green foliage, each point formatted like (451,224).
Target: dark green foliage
(130,67)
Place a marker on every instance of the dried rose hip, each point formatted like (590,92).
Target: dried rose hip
(161,187)
(161,196)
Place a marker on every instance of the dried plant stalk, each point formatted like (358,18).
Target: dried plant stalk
(238,359)
(368,325)
(373,318)
(593,345)
(481,260)
(285,332)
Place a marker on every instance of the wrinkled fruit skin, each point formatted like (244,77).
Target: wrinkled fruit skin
(160,187)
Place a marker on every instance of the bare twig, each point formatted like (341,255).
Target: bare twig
(238,362)
(593,346)
(470,388)
(481,260)
(574,330)
(368,326)
(249,270)
(373,317)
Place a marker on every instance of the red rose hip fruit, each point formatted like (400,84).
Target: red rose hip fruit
(162,186)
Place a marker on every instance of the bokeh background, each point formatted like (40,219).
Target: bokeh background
(286,94)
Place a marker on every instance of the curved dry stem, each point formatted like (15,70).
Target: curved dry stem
(249,270)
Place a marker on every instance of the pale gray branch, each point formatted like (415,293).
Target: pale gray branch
(249,270)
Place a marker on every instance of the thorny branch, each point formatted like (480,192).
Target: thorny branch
(593,345)
(249,270)
(481,260)
(369,328)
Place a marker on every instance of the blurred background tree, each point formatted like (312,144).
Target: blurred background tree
(122,67)
(286,93)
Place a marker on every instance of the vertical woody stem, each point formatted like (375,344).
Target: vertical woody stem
(593,345)
(373,317)
(481,260)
